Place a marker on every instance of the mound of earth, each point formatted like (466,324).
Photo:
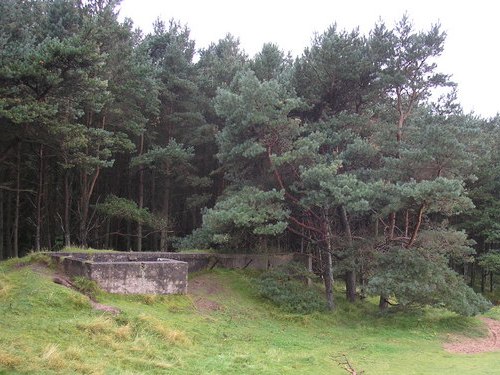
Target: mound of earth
(466,345)
(62,279)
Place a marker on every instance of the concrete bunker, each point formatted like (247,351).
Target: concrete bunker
(160,272)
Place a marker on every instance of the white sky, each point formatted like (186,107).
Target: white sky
(472,49)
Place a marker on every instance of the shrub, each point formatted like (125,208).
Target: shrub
(286,287)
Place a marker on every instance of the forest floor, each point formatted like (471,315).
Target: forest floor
(223,327)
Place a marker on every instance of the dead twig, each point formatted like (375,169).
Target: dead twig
(343,362)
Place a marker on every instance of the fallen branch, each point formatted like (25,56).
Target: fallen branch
(346,365)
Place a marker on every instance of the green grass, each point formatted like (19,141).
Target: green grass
(46,328)
(86,250)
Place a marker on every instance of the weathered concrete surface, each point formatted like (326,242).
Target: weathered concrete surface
(166,277)
(127,276)
(160,273)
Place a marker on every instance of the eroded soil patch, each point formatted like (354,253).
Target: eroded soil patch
(204,288)
(466,345)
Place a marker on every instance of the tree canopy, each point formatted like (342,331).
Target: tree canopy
(116,139)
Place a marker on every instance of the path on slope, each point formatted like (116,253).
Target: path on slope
(466,345)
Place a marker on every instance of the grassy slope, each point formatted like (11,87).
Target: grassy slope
(48,329)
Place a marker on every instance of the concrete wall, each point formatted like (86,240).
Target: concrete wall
(169,277)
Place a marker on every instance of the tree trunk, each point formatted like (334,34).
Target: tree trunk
(50,199)
(483,280)
(491,282)
(67,208)
(140,202)
(329,281)
(392,225)
(417,226)
(383,303)
(84,211)
(329,266)
(8,226)
(350,283)
(350,275)
(2,236)
(15,226)
(153,239)
(407,223)
(472,275)
(107,237)
(38,228)
(165,214)
(86,194)
(128,226)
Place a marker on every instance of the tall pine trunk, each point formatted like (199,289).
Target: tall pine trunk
(350,275)
(329,281)
(38,229)
(15,226)
(67,210)
(328,274)
(2,235)
(88,186)
(140,202)
(8,225)
(165,214)
(165,209)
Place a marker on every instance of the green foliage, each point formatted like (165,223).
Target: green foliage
(257,122)
(490,261)
(326,188)
(242,215)
(270,63)
(440,195)
(421,276)
(173,152)
(286,287)
(122,208)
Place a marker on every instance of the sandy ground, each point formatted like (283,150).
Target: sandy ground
(466,345)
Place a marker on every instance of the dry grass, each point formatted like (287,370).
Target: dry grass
(100,325)
(53,358)
(173,336)
(73,353)
(9,360)
(124,333)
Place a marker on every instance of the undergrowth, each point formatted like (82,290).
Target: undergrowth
(286,286)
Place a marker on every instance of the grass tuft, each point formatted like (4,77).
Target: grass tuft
(123,332)
(9,361)
(53,358)
(74,353)
(100,325)
(172,336)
